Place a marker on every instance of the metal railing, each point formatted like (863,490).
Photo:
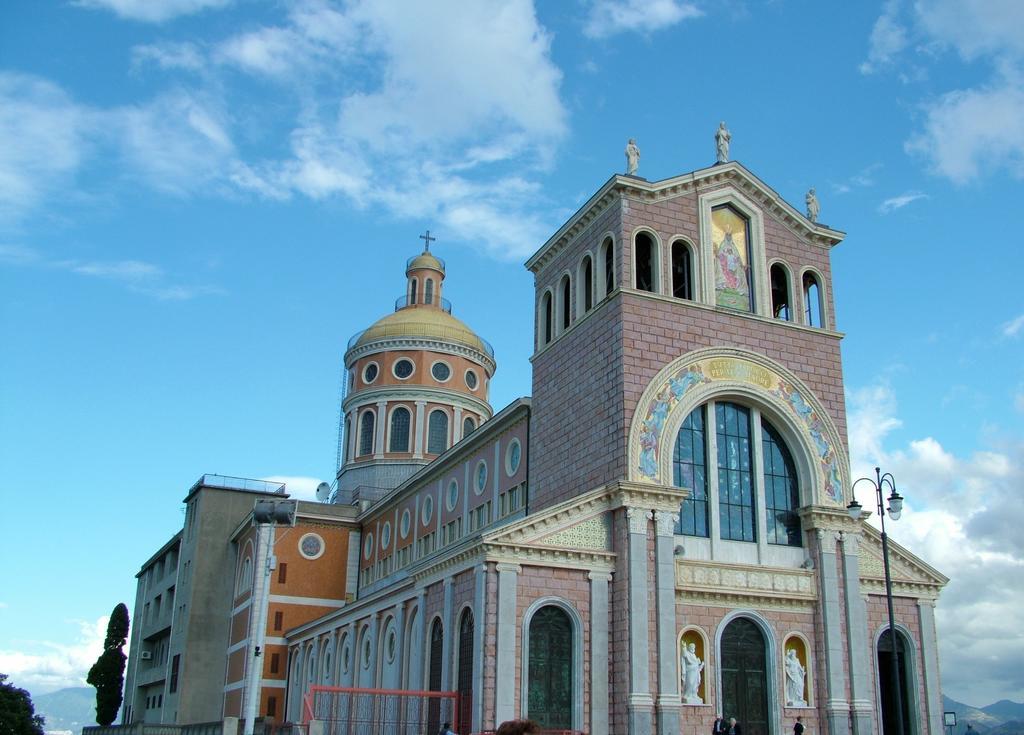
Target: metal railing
(238,483)
(403,301)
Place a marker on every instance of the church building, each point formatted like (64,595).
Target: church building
(657,536)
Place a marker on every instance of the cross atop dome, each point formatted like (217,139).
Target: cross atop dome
(427,239)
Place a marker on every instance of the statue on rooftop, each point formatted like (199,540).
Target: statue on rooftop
(632,157)
(813,206)
(722,139)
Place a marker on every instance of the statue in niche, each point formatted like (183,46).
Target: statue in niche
(795,675)
(632,158)
(722,139)
(813,206)
(692,668)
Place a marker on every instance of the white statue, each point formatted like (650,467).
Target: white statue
(795,674)
(813,206)
(692,667)
(722,139)
(632,157)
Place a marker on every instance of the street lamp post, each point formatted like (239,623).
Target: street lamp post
(855,509)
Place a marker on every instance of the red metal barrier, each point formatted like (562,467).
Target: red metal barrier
(356,711)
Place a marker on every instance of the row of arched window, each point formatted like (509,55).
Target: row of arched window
(556,306)
(428,291)
(400,431)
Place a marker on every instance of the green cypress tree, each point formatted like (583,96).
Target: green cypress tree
(17,713)
(107,674)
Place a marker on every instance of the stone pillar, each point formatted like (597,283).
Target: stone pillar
(418,644)
(382,424)
(449,633)
(399,664)
(599,712)
(930,656)
(350,440)
(640,702)
(861,708)
(836,706)
(354,653)
(669,701)
(417,450)
(479,627)
(457,425)
(505,658)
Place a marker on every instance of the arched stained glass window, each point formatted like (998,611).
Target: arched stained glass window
(781,496)
(735,473)
(550,684)
(400,420)
(366,426)
(437,432)
(689,465)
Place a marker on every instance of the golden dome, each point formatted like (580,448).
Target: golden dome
(425,260)
(424,322)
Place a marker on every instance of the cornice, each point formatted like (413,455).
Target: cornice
(637,189)
(399,344)
(549,556)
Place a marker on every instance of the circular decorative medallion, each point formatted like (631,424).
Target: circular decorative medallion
(440,371)
(453,494)
(403,369)
(512,457)
(471,380)
(311,546)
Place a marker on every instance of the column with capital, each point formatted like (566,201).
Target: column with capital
(599,652)
(836,706)
(669,702)
(930,655)
(861,708)
(449,633)
(399,664)
(417,446)
(640,702)
(479,627)
(382,420)
(417,644)
(505,655)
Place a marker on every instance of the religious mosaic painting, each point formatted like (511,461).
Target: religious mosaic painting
(730,239)
(707,371)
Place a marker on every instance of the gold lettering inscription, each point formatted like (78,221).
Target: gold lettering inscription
(729,369)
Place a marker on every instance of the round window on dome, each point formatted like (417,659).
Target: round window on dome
(471,381)
(370,372)
(403,369)
(440,371)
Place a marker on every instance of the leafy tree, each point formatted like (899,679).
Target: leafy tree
(107,674)
(17,714)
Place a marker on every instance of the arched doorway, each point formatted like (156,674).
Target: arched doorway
(745,676)
(550,686)
(465,672)
(886,685)
(434,675)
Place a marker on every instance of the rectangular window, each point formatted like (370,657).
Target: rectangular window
(282,573)
(173,687)
(735,475)
(275,662)
(271,706)
(278,620)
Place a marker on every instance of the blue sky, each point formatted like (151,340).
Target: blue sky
(202,200)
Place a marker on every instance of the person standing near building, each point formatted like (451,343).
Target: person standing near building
(446,729)
(734,727)
(719,727)
(798,728)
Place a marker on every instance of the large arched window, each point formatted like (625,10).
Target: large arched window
(366,426)
(725,485)
(682,271)
(550,686)
(437,432)
(644,262)
(781,305)
(400,420)
(608,266)
(564,290)
(813,316)
(730,241)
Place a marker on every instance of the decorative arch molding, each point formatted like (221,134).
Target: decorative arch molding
(911,692)
(771,663)
(577,654)
(699,376)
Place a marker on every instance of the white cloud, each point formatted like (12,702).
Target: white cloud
(44,133)
(899,202)
(297,486)
(888,38)
(974,27)
(963,517)
(1013,327)
(44,666)
(609,17)
(187,56)
(152,11)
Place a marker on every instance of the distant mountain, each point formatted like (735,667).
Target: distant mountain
(968,715)
(1006,710)
(67,709)
(1013,727)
